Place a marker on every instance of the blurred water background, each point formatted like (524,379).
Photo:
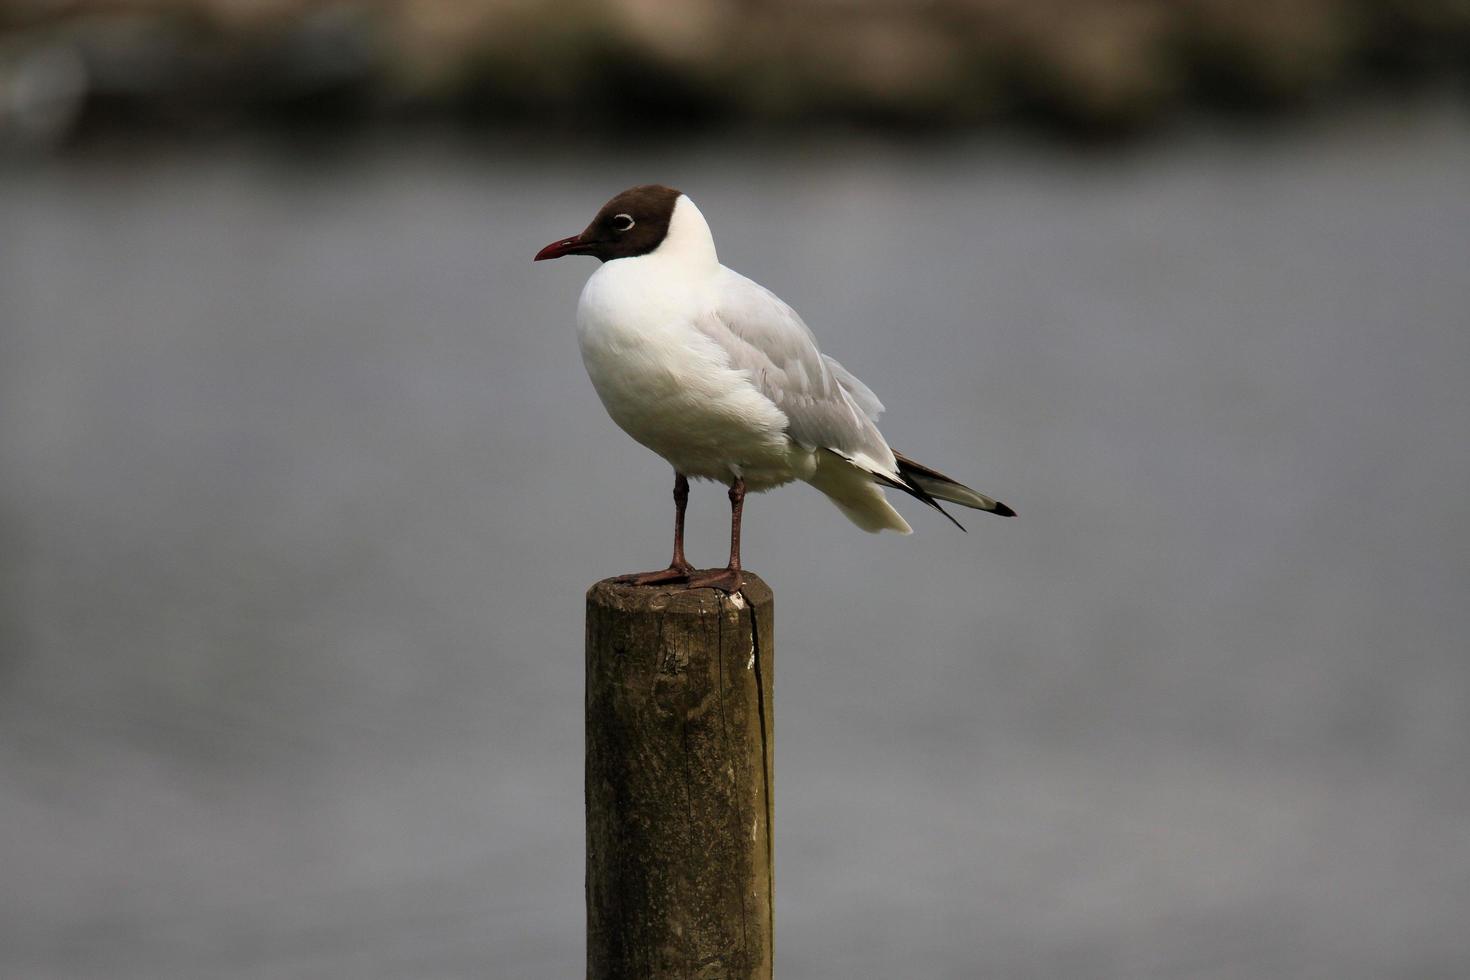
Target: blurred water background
(301,482)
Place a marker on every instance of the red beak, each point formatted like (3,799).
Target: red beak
(566,246)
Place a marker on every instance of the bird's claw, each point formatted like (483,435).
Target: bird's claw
(667,576)
(727,580)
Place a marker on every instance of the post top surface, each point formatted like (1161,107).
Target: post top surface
(677,599)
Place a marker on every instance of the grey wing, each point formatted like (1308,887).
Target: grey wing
(860,394)
(825,405)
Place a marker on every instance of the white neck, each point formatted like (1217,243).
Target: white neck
(688,242)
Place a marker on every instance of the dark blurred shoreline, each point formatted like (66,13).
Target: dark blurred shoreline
(71,71)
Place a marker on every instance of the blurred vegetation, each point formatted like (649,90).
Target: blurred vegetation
(1100,66)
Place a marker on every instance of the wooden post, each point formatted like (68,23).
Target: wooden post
(679,856)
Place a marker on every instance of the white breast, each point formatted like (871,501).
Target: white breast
(670,387)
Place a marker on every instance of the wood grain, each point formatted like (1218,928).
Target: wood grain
(678,782)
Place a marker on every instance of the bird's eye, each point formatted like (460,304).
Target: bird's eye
(622,222)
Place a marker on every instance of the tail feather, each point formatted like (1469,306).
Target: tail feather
(934,484)
(918,493)
(852,489)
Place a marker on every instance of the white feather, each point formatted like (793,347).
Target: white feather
(721,378)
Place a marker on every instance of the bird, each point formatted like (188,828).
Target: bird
(720,377)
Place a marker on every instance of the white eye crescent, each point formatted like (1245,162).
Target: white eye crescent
(622,222)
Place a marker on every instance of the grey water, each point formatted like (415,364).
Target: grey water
(301,483)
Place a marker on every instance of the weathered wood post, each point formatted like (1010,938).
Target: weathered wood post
(679,854)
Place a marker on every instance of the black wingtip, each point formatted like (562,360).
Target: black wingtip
(1003,510)
(918,493)
(935,504)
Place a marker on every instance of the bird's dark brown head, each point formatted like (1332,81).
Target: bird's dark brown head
(633,223)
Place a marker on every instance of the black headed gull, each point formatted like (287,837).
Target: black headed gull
(721,378)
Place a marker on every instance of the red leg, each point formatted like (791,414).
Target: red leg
(679,569)
(727,579)
(681,500)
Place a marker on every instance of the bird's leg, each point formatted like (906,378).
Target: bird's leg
(681,501)
(679,569)
(737,508)
(727,579)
